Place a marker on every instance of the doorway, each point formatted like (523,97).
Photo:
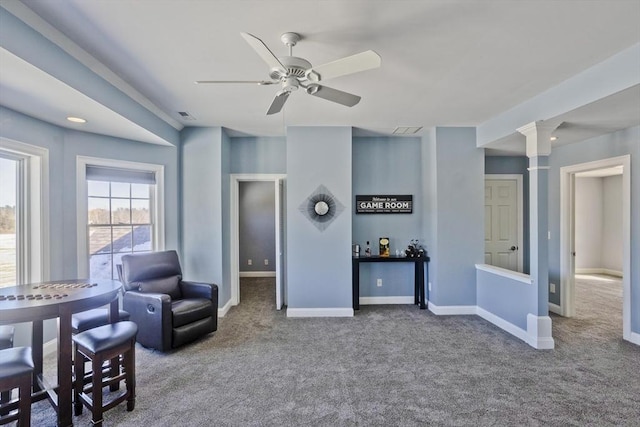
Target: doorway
(568,176)
(277,181)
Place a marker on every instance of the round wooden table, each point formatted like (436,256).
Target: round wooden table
(36,302)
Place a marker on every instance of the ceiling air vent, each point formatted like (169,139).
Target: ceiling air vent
(186,116)
(406,130)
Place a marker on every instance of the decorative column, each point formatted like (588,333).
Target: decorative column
(538,136)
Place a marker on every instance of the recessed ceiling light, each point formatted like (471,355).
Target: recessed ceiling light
(553,138)
(76,119)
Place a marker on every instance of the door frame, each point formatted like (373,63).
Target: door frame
(519,207)
(567,235)
(235,180)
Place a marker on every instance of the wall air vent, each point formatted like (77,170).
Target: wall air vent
(186,116)
(406,130)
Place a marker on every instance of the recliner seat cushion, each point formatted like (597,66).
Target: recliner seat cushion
(166,285)
(190,310)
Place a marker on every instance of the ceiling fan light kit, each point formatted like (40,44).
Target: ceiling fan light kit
(293,72)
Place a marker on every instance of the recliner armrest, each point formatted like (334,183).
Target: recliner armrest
(152,313)
(199,290)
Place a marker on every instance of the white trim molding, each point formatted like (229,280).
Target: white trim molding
(555,308)
(567,262)
(222,311)
(386,300)
(452,310)
(634,338)
(509,274)
(319,312)
(606,271)
(36,243)
(539,332)
(504,325)
(257,274)
(82,254)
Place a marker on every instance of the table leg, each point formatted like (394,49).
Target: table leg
(420,284)
(355,284)
(65,380)
(36,351)
(416,283)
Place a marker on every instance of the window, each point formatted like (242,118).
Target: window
(24,234)
(121,213)
(9,261)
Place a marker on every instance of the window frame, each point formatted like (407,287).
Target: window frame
(32,210)
(156,204)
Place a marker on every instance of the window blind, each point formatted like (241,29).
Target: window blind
(103,173)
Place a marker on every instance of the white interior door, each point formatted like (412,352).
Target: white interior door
(502,243)
(280,282)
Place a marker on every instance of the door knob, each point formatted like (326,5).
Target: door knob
(514,248)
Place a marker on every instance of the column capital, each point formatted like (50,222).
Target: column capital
(538,136)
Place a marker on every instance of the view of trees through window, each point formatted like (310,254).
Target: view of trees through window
(120,222)
(8,237)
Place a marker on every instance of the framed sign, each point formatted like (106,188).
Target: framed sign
(386,204)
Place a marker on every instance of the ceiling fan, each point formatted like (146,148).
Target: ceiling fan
(293,73)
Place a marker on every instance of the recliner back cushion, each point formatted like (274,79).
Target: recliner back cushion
(148,267)
(166,285)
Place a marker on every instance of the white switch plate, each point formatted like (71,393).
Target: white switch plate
(552,288)
(379,282)
(249,262)
(266,262)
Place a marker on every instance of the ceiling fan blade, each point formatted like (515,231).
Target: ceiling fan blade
(351,64)
(333,95)
(264,52)
(278,102)
(255,82)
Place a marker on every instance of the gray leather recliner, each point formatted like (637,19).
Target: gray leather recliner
(169,311)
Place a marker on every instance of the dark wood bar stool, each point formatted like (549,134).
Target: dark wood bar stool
(16,371)
(96,345)
(6,341)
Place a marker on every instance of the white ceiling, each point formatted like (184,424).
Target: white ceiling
(444,62)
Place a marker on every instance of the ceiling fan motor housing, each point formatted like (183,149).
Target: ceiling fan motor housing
(295,67)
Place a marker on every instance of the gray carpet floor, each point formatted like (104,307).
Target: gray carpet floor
(387,366)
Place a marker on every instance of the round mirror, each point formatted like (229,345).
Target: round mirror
(321,208)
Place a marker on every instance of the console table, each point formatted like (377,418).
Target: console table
(420,296)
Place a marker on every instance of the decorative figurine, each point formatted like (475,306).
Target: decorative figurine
(367,252)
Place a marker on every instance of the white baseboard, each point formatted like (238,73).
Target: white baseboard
(634,338)
(555,308)
(539,332)
(599,271)
(222,311)
(504,325)
(450,310)
(257,274)
(386,300)
(319,312)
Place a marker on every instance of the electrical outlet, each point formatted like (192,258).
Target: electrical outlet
(249,262)
(429,286)
(379,283)
(552,288)
(266,262)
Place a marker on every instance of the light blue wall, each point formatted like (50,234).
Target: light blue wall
(28,44)
(506,298)
(202,207)
(318,263)
(64,146)
(460,211)
(258,155)
(388,165)
(616,144)
(515,165)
